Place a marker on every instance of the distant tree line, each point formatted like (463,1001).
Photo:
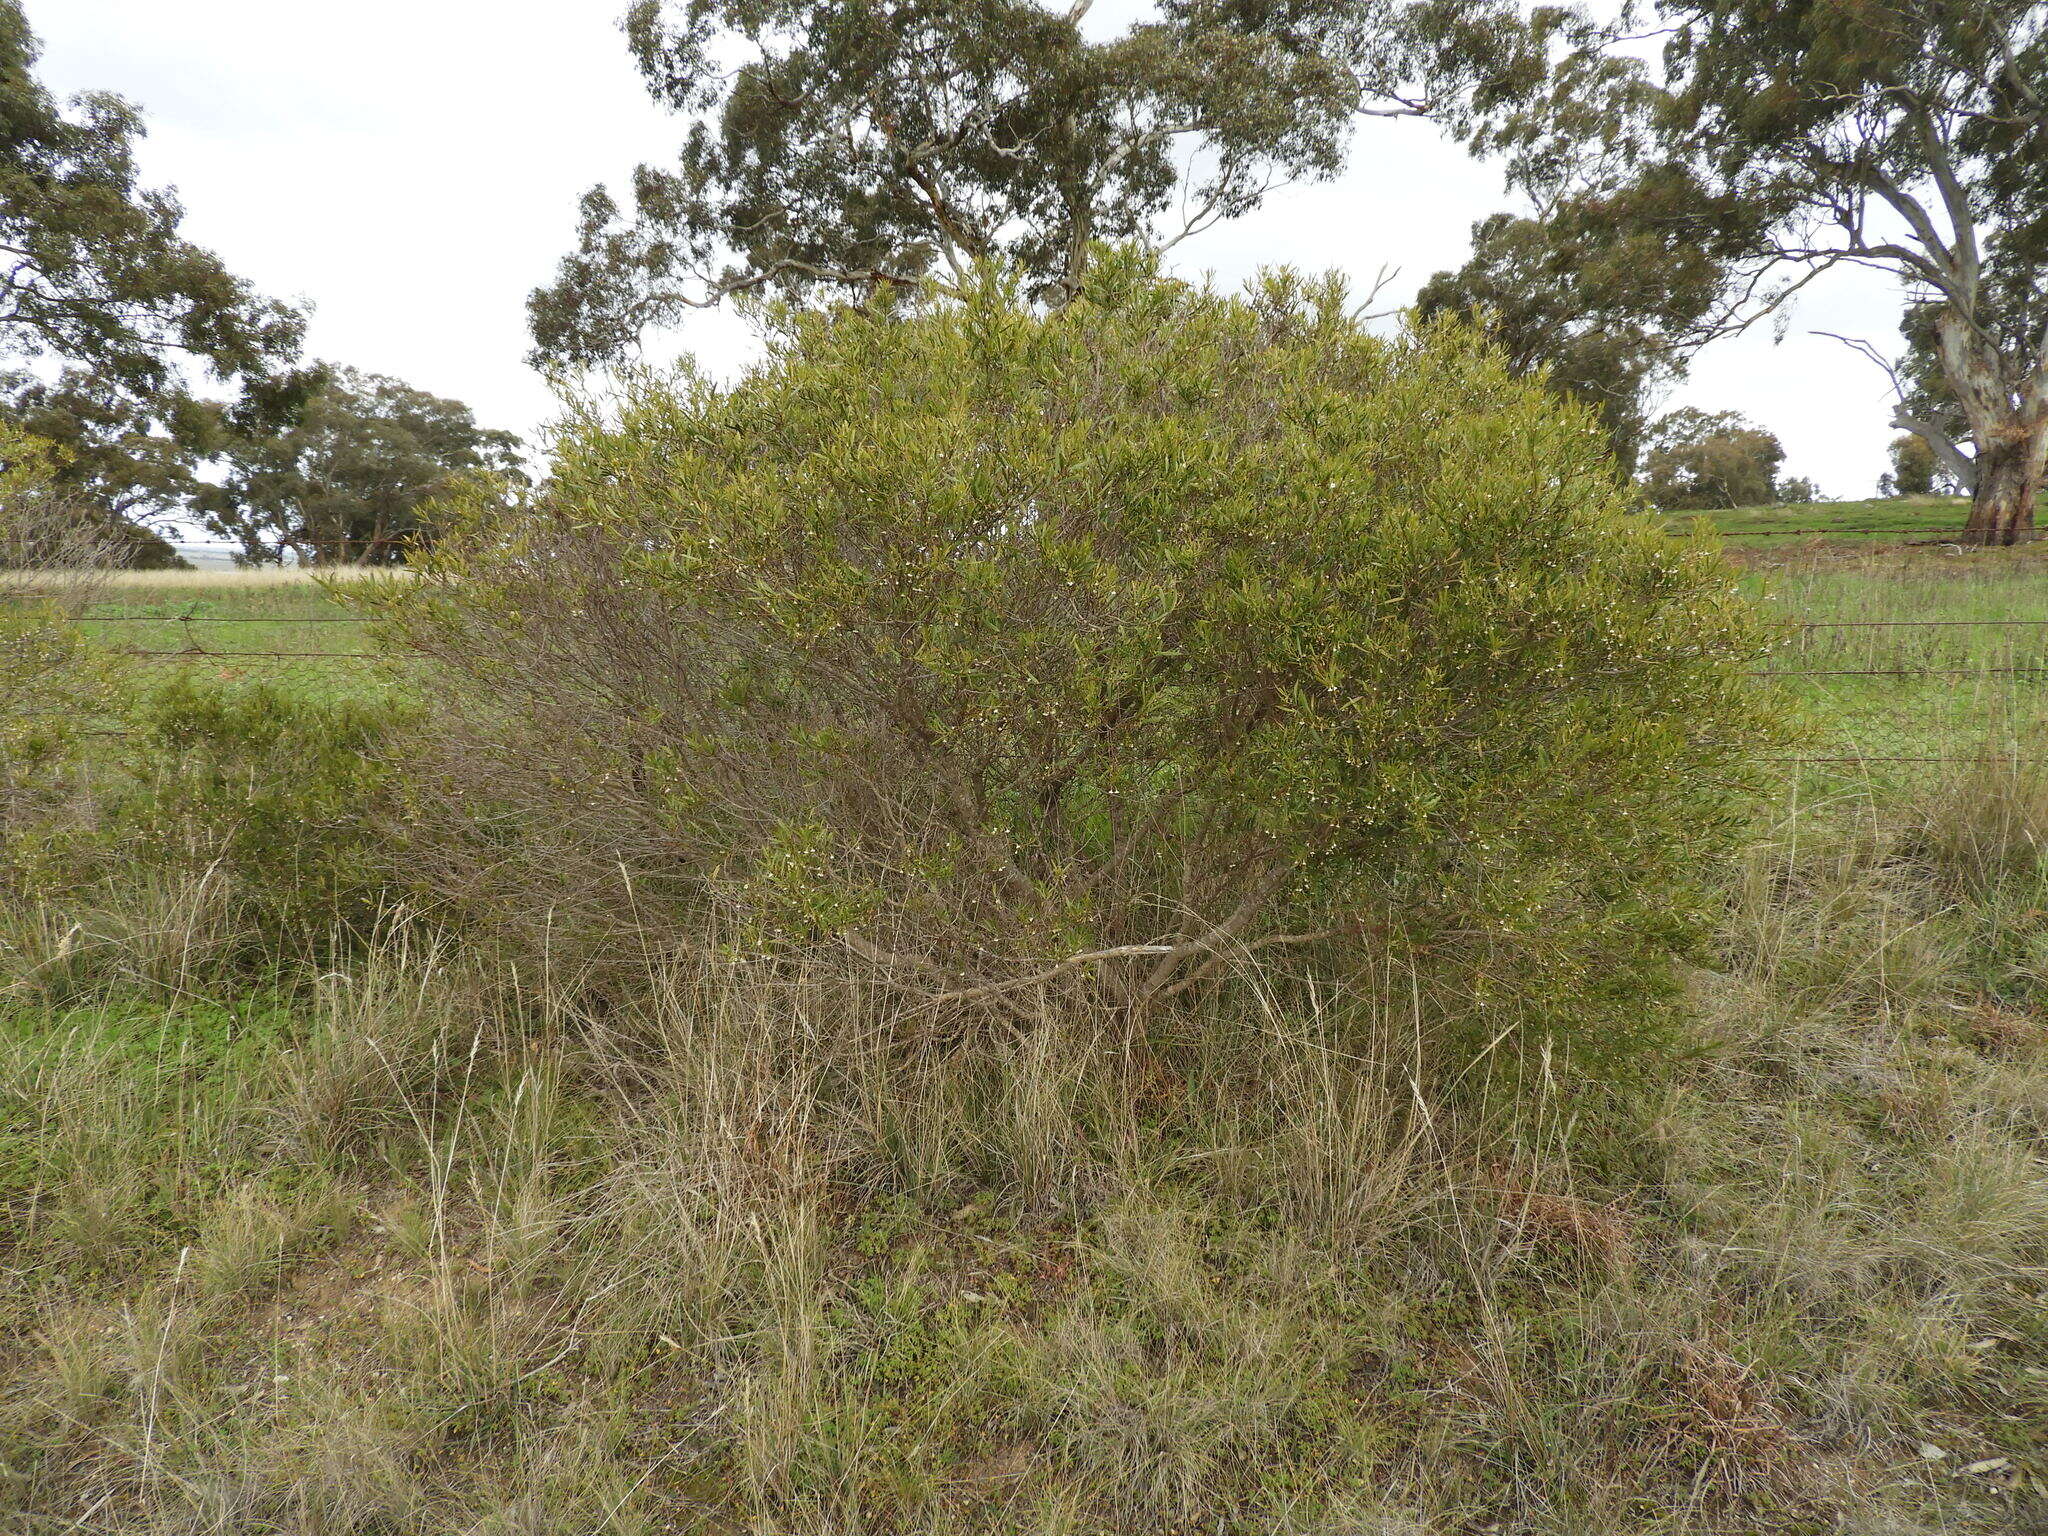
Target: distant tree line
(151,384)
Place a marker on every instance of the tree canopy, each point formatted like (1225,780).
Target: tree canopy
(96,270)
(349,479)
(107,311)
(1597,305)
(1791,136)
(117,457)
(1914,470)
(854,149)
(1696,461)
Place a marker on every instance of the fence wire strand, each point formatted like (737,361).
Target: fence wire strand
(1889,692)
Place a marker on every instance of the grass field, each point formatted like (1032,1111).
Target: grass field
(1913,652)
(1881,520)
(281,627)
(395,1243)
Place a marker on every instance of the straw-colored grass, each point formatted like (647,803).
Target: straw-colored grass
(420,1250)
(253,578)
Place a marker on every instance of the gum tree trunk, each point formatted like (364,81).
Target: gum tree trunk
(2008,419)
(2008,485)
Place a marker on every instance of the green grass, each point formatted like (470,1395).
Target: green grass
(1881,519)
(238,627)
(1914,652)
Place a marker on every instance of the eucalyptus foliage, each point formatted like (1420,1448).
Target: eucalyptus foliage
(350,473)
(1697,461)
(101,281)
(1005,653)
(1790,136)
(1595,306)
(843,150)
(98,271)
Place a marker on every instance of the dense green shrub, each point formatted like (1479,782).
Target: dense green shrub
(214,829)
(288,799)
(52,688)
(968,642)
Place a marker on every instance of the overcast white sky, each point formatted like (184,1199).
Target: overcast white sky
(411,168)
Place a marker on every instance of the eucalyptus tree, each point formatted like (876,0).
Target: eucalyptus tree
(1906,135)
(107,311)
(129,463)
(854,149)
(1915,470)
(116,461)
(1697,461)
(1598,306)
(93,267)
(350,477)
(1928,411)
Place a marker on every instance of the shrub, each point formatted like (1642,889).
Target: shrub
(49,538)
(51,688)
(226,829)
(1012,655)
(288,799)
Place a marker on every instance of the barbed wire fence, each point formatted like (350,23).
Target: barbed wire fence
(1919,692)
(1878,693)
(196,646)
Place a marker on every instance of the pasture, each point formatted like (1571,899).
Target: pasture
(1883,521)
(1905,652)
(277,627)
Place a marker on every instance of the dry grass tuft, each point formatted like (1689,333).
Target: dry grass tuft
(1601,1234)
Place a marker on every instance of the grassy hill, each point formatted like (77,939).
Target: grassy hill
(395,1242)
(1885,519)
